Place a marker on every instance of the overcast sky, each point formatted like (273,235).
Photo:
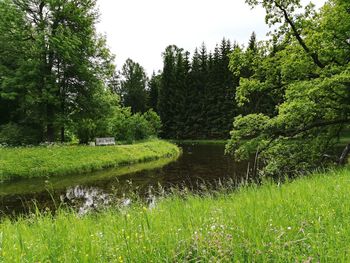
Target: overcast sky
(141,30)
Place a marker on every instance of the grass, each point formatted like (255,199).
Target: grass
(38,185)
(62,160)
(306,220)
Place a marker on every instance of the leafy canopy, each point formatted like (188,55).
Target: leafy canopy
(305,70)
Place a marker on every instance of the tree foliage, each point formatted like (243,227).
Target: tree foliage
(305,71)
(57,77)
(133,91)
(196,95)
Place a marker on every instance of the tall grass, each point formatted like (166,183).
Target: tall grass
(62,160)
(306,220)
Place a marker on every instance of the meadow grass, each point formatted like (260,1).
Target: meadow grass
(28,162)
(306,220)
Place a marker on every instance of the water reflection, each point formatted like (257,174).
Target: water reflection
(198,168)
(85,199)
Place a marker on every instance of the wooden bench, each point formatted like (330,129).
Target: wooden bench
(105,141)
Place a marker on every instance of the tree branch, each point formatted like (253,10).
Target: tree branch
(307,128)
(292,133)
(313,55)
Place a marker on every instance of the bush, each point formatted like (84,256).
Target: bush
(139,127)
(129,127)
(86,130)
(14,134)
(155,124)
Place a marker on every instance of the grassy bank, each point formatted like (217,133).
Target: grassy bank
(62,160)
(303,221)
(38,185)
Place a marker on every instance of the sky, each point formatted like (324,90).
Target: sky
(141,30)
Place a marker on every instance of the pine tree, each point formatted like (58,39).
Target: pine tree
(252,45)
(133,86)
(153,90)
(196,98)
(193,123)
(166,98)
(180,106)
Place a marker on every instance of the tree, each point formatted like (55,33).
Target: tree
(153,90)
(196,122)
(15,58)
(196,96)
(258,69)
(133,86)
(315,77)
(169,97)
(61,67)
(252,44)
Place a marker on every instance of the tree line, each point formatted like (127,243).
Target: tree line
(284,101)
(194,95)
(57,77)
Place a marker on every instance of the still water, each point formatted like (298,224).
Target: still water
(199,166)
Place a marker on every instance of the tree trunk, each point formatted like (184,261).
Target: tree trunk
(50,132)
(344,155)
(62,134)
(50,129)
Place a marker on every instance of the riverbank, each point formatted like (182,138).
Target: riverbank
(305,221)
(63,160)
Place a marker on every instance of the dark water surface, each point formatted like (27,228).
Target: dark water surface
(199,165)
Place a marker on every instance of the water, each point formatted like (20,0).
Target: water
(199,165)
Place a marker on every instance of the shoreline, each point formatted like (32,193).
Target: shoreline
(255,223)
(47,162)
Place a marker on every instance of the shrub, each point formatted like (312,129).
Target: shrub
(129,127)
(155,124)
(14,134)
(86,130)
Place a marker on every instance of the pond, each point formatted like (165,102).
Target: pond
(198,167)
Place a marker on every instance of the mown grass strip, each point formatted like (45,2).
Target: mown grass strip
(62,160)
(303,221)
